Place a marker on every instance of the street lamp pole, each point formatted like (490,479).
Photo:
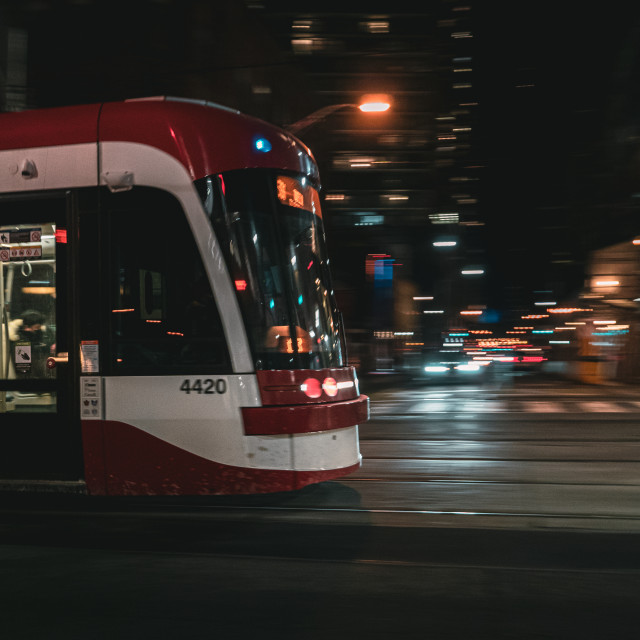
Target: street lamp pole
(368,104)
(316,116)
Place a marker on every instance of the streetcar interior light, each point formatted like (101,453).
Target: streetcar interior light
(50,291)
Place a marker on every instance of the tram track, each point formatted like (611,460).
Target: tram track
(221,508)
(344,516)
(367,547)
(370,501)
(424,518)
(206,526)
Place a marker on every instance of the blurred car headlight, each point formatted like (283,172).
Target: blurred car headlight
(436,369)
(468,367)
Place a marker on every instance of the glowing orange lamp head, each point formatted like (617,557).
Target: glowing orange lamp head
(373,103)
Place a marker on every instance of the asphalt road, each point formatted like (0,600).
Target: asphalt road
(477,513)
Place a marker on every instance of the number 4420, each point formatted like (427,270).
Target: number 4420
(207,386)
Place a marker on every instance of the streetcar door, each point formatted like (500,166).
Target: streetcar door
(39,430)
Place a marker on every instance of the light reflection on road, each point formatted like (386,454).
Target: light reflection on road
(555,454)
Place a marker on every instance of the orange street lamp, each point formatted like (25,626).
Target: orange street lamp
(370,103)
(374,103)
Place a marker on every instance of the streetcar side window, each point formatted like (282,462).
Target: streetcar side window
(164,318)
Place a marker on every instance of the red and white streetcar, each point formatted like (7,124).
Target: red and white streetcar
(167,319)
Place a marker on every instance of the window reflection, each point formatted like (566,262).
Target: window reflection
(270,229)
(164,318)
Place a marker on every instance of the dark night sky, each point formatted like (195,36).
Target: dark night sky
(558,86)
(558,92)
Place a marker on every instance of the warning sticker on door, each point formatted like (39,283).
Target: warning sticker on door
(90,398)
(89,356)
(23,357)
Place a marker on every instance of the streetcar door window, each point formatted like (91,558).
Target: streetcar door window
(39,417)
(27,315)
(164,319)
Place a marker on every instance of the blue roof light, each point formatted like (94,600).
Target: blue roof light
(263,145)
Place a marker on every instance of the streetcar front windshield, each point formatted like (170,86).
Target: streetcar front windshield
(269,225)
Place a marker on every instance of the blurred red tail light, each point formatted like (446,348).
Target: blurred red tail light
(330,387)
(312,388)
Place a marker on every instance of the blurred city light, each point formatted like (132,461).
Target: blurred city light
(444,218)
(468,367)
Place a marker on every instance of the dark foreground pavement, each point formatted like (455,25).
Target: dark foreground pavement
(202,568)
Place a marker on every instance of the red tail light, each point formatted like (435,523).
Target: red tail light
(312,388)
(330,387)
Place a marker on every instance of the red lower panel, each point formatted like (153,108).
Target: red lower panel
(123,460)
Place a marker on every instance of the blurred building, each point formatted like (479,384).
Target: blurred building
(508,154)
(402,189)
(607,343)
(394,183)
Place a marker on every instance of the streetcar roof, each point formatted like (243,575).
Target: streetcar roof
(206,138)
